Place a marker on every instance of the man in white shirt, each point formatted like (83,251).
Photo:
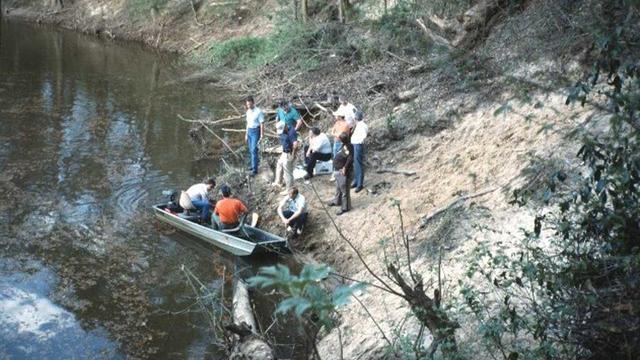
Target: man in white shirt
(357,139)
(199,195)
(255,131)
(319,150)
(293,211)
(346,109)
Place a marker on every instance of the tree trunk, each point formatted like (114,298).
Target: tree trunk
(57,3)
(341,11)
(429,313)
(305,10)
(476,22)
(250,345)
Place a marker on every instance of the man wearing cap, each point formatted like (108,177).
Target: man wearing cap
(289,115)
(254,132)
(227,213)
(357,139)
(289,140)
(346,110)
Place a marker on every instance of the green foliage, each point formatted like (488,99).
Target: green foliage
(245,51)
(143,8)
(568,290)
(396,30)
(304,293)
(292,45)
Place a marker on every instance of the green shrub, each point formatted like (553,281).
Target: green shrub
(244,51)
(569,292)
(143,8)
(293,45)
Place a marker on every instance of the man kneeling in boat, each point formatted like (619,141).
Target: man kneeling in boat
(293,211)
(199,195)
(228,211)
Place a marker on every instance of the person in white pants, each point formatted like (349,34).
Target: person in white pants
(288,139)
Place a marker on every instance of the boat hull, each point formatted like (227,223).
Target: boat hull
(260,240)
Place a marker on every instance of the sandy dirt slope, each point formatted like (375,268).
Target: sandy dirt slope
(481,152)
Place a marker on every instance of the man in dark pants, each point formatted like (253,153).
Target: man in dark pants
(357,140)
(343,167)
(319,149)
(293,211)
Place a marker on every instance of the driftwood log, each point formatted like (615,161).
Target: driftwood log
(250,345)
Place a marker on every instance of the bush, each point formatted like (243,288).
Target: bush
(292,46)
(573,292)
(142,8)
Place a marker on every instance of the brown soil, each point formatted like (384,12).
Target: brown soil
(474,126)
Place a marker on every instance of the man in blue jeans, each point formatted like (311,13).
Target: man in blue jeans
(357,139)
(255,131)
(199,195)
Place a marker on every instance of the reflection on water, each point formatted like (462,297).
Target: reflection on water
(88,140)
(28,316)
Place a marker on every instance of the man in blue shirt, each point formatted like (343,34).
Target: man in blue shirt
(255,131)
(289,140)
(289,115)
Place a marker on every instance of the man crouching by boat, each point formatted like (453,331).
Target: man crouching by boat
(228,211)
(199,195)
(293,211)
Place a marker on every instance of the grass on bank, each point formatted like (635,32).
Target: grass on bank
(306,47)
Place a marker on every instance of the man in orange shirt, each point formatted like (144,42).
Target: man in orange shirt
(228,211)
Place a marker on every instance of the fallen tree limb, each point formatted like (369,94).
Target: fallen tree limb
(400,58)
(210,122)
(233,130)
(215,135)
(243,130)
(431,35)
(425,220)
(397,172)
(250,344)
(322,108)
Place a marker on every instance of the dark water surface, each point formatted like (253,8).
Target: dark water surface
(88,140)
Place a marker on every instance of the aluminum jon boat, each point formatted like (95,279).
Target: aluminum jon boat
(244,242)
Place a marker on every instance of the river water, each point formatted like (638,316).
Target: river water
(88,140)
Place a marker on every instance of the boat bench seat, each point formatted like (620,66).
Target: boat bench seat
(190,216)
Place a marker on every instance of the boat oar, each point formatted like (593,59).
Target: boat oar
(254,219)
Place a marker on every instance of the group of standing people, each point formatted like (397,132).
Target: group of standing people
(347,153)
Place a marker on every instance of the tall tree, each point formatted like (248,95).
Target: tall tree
(304,8)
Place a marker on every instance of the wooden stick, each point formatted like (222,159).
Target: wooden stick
(216,135)
(398,172)
(400,58)
(425,220)
(210,122)
(234,108)
(322,108)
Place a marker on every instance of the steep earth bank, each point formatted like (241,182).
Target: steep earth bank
(455,125)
